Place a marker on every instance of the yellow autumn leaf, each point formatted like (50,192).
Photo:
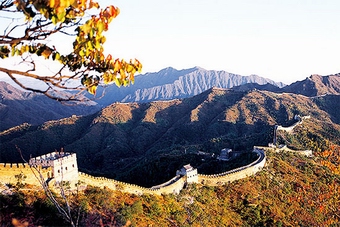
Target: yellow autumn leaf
(54,19)
(82,53)
(118,82)
(98,44)
(107,77)
(129,68)
(53,3)
(103,39)
(100,27)
(89,45)
(116,65)
(57,56)
(92,89)
(24,48)
(122,74)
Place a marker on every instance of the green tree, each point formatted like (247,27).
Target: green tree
(31,30)
(20,180)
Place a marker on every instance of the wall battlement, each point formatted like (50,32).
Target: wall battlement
(13,165)
(8,171)
(174,185)
(235,174)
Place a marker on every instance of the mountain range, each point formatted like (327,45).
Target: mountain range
(126,141)
(170,83)
(167,84)
(145,142)
(17,107)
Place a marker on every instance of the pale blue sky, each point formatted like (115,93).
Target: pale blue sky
(283,40)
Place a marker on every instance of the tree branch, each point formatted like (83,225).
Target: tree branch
(47,80)
(38,175)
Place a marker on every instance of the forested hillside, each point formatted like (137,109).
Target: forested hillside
(127,141)
(292,190)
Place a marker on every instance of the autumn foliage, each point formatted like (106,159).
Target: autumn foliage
(331,158)
(86,62)
(292,190)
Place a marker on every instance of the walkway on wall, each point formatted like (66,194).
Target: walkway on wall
(172,186)
(258,161)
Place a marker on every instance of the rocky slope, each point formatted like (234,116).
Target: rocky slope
(170,83)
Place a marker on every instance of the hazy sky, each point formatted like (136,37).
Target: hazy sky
(285,40)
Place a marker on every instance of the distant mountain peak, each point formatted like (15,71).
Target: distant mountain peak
(316,85)
(199,68)
(170,83)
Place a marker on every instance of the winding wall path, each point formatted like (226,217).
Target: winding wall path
(174,185)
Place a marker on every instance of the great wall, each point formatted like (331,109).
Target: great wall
(8,171)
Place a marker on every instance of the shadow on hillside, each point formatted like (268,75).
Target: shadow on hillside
(330,104)
(37,140)
(36,110)
(143,150)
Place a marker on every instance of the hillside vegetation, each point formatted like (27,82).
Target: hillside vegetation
(124,141)
(292,190)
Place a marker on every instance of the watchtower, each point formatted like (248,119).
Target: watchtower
(189,172)
(63,165)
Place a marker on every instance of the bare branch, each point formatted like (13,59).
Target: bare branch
(6,4)
(48,92)
(66,213)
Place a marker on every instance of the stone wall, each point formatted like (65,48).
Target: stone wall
(308,153)
(174,185)
(9,170)
(235,174)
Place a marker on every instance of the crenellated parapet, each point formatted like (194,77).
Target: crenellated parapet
(8,171)
(176,184)
(116,185)
(235,174)
(186,175)
(13,165)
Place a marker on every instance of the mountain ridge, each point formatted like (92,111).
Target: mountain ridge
(170,83)
(316,85)
(17,107)
(167,84)
(124,140)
